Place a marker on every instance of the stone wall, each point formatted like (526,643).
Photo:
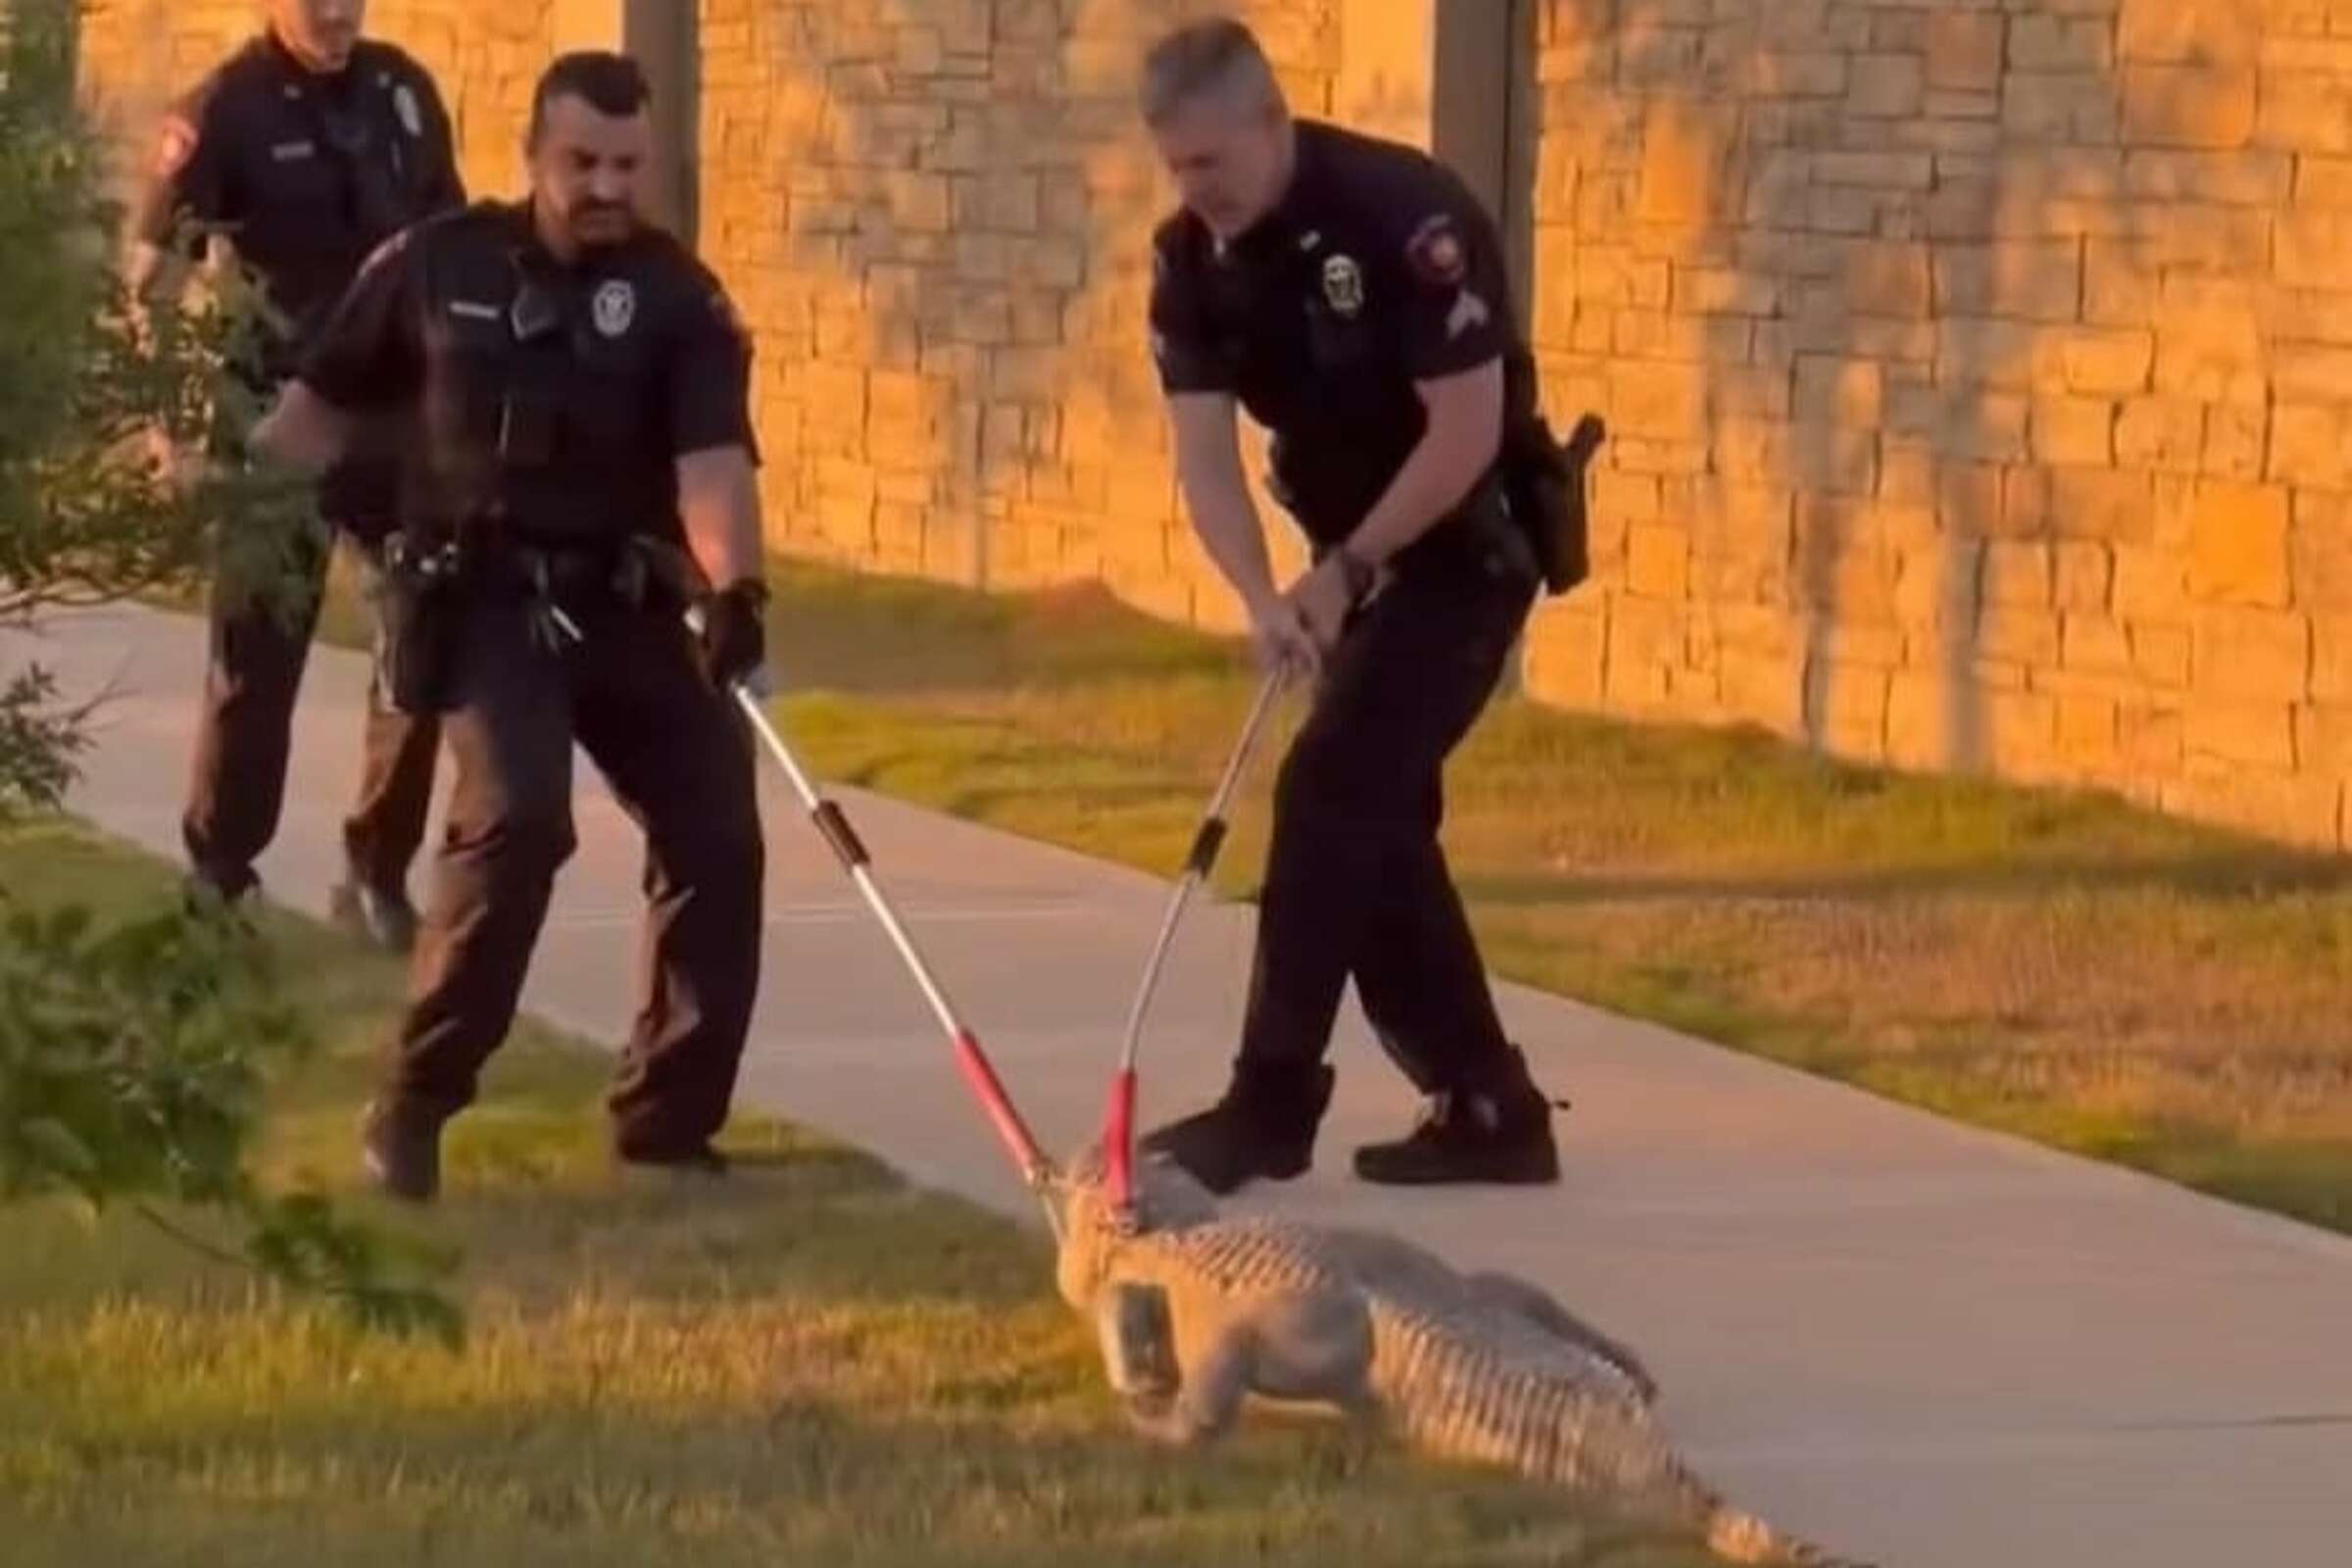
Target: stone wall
(1981,375)
(936,214)
(138,54)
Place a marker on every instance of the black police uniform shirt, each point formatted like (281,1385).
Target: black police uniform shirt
(303,174)
(550,401)
(1377,267)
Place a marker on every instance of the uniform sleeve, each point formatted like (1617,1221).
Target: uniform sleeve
(444,186)
(1456,290)
(710,374)
(187,172)
(1182,346)
(369,355)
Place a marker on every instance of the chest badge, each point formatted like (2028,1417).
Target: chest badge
(1344,284)
(614,307)
(404,103)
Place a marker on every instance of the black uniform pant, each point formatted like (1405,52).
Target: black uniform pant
(678,757)
(1356,884)
(258,647)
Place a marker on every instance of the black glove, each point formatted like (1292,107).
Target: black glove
(734,636)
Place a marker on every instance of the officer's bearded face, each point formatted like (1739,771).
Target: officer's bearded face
(1230,159)
(320,33)
(586,172)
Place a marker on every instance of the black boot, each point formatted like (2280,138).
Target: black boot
(1263,1127)
(402,1150)
(1496,1131)
(381,916)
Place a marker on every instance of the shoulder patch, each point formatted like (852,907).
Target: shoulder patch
(174,145)
(1436,252)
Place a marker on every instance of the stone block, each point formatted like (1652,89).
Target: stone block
(2161,653)
(2236,438)
(2021,732)
(1887,278)
(1776,74)
(2060,105)
(1682,162)
(2242,179)
(2047,42)
(2321,549)
(2311,447)
(2305,112)
(1848,393)
(2005,356)
(1925,720)
(2322,181)
(1658,560)
(2261,734)
(2252,655)
(2018,574)
(2209,342)
(2311,246)
(2119,284)
(2039,281)
(2332,658)
(2209,32)
(1966,49)
(2110,364)
(1968,498)
(1645,642)
(1763,688)
(2018,635)
(2323,739)
(2096,644)
(2162,434)
(2114,504)
(1887,86)
(1567,643)
(2074,431)
(2238,545)
(2084,574)
(1846,708)
(1836,462)
(2304,372)
(2189,106)
(2088,731)
(1882,170)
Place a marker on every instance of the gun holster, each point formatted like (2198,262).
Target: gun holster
(418,608)
(1546,485)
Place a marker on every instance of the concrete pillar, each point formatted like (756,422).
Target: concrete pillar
(1454,77)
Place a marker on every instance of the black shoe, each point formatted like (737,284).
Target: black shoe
(402,1150)
(380,915)
(1263,1127)
(1499,1134)
(696,1159)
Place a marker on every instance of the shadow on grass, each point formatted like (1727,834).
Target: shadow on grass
(2253,872)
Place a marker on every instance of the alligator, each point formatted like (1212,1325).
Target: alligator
(1197,1311)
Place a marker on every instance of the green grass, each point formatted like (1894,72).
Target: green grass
(2060,966)
(811,1362)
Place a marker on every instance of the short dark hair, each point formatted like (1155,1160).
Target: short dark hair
(1216,55)
(609,83)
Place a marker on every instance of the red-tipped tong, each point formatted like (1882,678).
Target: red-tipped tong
(1011,1131)
(1118,1125)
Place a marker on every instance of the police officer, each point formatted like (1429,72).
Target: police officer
(1349,293)
(303,151)
(584,472)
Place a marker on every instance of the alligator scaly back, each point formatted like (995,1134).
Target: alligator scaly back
(1479,1367)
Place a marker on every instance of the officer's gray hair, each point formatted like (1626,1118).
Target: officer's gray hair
(1219,56)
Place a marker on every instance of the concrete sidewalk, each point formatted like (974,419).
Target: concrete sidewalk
(1910,1341)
